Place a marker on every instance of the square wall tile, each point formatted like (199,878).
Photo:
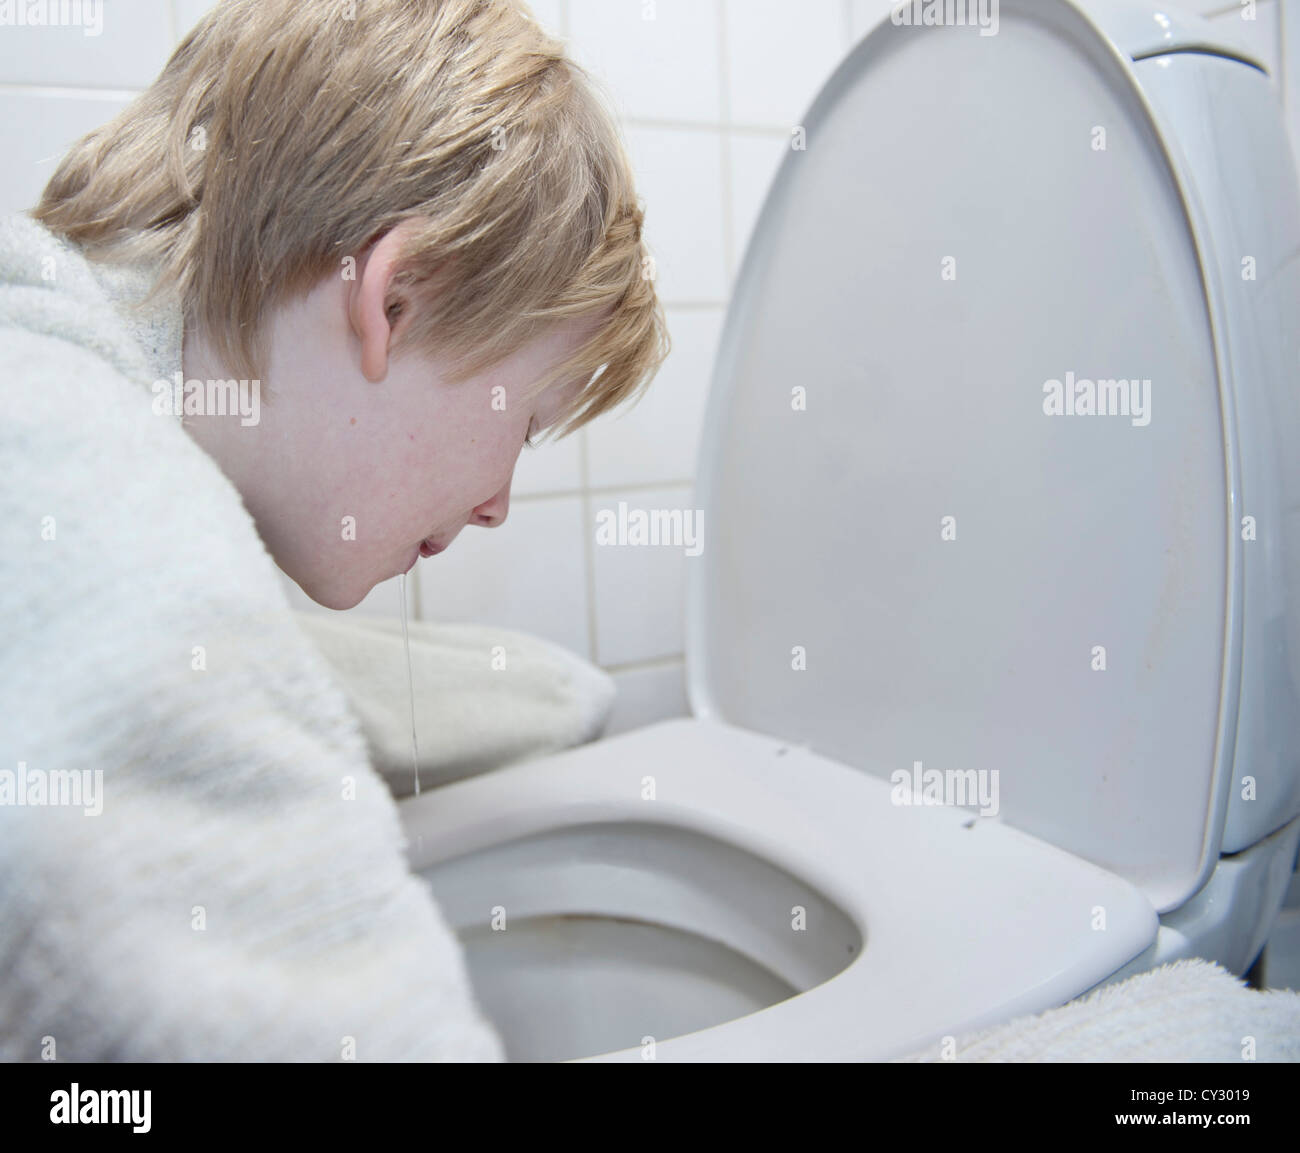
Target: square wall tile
(551,467)
(125,48)
(528,574)
(779,55)
(187,13)
(549,14)
(678,176)
(658,59)
(640,588)
(656,441)
(40,127)
(648,695)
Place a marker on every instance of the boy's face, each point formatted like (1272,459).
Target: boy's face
(411,459)
(359,458)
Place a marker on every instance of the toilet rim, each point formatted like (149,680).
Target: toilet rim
(1005,929)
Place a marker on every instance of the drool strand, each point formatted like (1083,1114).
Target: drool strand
(410,682)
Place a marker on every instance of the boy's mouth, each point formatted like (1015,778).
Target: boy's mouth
(430,548)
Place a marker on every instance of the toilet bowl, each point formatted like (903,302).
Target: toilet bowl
(992,668)
(915,922)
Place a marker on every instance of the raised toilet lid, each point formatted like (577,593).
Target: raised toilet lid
(891,502)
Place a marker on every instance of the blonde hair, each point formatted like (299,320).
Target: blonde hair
(285,135)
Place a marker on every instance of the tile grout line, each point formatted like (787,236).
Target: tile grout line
(588,550)
(67,91)
(599,490)
(647,664)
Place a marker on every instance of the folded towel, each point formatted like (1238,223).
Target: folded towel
(484,696)
(1188,1011)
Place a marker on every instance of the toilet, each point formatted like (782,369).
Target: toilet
(993,646)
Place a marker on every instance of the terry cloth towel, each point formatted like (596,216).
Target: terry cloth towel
(242,892)
(485,697)
(1190,1010)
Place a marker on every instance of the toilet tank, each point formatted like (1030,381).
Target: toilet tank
(923,544)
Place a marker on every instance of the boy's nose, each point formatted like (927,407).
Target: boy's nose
(492,513)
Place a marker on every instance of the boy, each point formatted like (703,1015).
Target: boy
(407,231)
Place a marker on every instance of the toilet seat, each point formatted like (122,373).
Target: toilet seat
(1019,918)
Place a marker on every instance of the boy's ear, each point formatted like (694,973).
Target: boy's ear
(370,322)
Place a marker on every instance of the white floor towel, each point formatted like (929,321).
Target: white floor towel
(1188,1011)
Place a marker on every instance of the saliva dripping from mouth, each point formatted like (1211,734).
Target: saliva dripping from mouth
(410,682)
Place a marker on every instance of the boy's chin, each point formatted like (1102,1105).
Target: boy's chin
(331,590)
(338,600)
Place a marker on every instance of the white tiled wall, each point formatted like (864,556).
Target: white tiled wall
(708,91)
